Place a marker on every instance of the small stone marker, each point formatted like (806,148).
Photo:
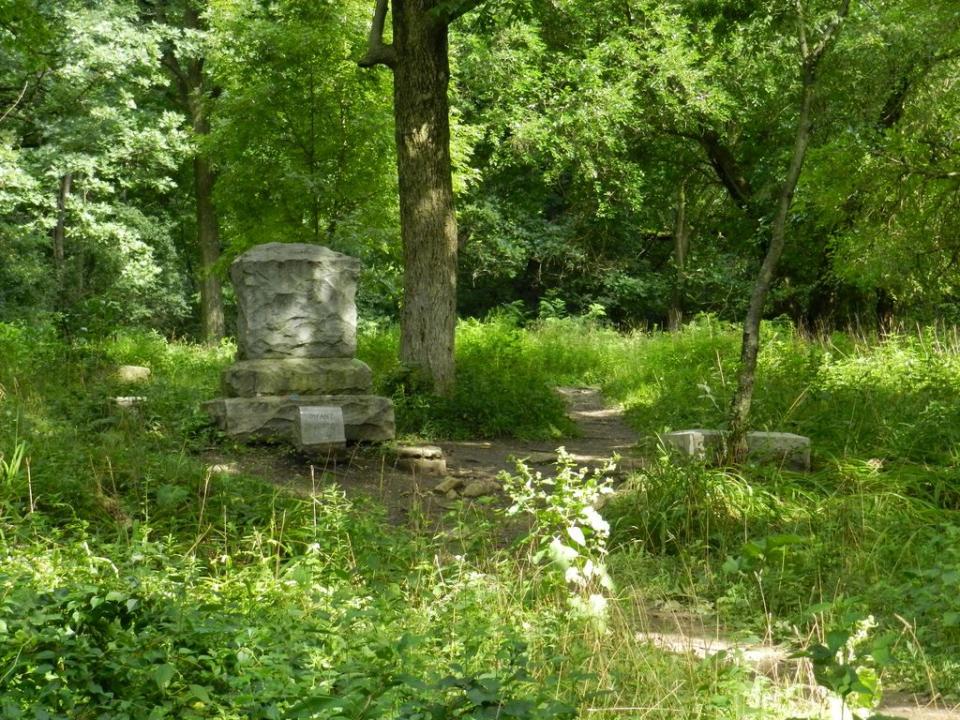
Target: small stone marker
(129,401)
(320,426)
(787,449)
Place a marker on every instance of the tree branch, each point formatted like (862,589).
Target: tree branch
(725,165)
(15,102)
(829,34)
(378,52)
(455,9)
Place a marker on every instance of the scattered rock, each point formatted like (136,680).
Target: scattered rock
(452,495)
(133,374)
(451,483)
(423,466)
(421,459)
(540,458)
(224,469)
(784,448)
(129,401)
(481,488)
(427,452)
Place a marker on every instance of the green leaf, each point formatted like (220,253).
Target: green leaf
(163,674)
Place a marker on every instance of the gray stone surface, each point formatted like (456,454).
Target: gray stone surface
(295,300)
(481,488)
(317,427)
(365,417)
(296,376)
(423,466)
(786,449)
(429,452)
(698,443)
(448,485)
(782,448)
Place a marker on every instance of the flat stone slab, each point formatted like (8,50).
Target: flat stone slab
(428,452)
(365,417)
(295,300)
(296,376)
(786,449)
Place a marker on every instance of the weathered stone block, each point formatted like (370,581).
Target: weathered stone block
(786,449)
(295,300)
(421,459)
(365,417)
(296,376)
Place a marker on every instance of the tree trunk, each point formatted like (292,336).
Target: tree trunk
(190,82)
(208,237)
(750,348)
(60,229)
(681,244)
(736,449)
(428,225)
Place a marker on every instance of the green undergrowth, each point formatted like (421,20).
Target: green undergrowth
(136,582)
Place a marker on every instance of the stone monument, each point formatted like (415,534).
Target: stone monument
(296,374)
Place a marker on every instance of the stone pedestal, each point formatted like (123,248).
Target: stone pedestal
(296,334)
(786,449)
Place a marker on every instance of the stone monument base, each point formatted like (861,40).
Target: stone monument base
(366,418)
(787,449)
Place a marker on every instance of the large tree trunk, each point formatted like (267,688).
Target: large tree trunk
(681,244)
(428,225)
(192,87)
(208,237)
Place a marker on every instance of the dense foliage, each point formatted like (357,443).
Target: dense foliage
(140,581)
(617,165)
(586,136)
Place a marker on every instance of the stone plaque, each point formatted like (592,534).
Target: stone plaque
(320,425)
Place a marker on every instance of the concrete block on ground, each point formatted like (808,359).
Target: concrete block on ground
(422,459)
(785,449)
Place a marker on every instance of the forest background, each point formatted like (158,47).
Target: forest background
(620,167)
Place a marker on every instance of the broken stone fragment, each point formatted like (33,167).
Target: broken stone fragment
(481,488)
(421,459)
(451,483)
(301,376)
(427,452)
(129,402)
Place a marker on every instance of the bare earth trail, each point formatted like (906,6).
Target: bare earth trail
(602,433)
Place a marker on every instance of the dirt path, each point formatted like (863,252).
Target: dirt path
(410,499)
